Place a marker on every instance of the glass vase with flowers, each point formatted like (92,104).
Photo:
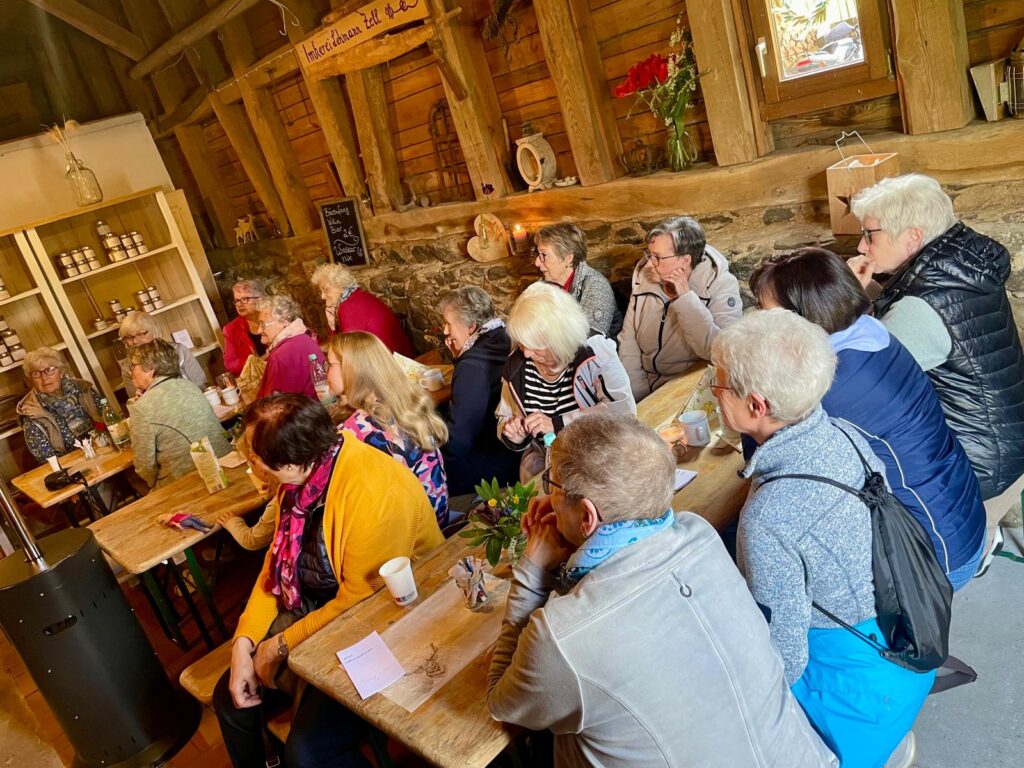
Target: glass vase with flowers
(495,523)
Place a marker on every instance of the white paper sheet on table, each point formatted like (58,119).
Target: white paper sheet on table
(231,460)
(370,665)
(439,637)
(683,478)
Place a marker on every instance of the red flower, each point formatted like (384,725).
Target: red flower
(644,74)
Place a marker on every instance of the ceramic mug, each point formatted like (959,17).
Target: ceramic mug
(212,395)
(432,380)
(695,426)
(230,395)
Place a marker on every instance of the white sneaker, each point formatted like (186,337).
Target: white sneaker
(995,549)
(904,754)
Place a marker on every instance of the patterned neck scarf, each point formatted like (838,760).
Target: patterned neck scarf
(490,325)
(296,501)
(607,541)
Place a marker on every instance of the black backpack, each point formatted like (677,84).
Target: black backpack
(913,597)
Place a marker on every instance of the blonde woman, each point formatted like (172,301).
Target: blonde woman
(391,413)
(350,308)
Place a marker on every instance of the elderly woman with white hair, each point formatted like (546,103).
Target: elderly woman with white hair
(242,335)
(803,543)
(289,346)
(58,409)
(683,294)
(351,308)
(139,328)
(560,253)
(625,622)
(945,300)
(556,373)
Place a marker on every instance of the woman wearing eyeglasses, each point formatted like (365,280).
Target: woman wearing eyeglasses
(58,409)
(242,335)
(138,328)
(683,295)
(289,345)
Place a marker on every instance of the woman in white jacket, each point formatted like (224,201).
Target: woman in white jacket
(683,295)
(558,371)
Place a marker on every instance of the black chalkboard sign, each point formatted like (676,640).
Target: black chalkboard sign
(346,243)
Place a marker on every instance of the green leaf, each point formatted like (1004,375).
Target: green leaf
(479,490)
(493,551)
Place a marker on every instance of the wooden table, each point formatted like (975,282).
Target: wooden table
(133,537)
(453,727)
(107,464)
(717,493)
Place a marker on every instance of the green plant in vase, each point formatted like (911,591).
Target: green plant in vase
(495,523)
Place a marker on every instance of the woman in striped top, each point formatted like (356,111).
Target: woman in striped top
(560,370)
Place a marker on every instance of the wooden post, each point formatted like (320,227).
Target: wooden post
(931,64)
(716,44)
(370,110)
(270,132)
(477,117)
(95,25)
(574,60)
(333,113)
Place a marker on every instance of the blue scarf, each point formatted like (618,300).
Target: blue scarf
(608,540)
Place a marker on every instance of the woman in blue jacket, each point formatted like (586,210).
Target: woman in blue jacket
(881,391)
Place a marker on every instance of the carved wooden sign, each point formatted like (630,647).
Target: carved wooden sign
(371,20)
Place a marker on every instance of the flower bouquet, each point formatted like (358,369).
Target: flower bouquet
(665,85)
(495,522)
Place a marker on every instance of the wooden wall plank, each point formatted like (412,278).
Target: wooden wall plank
(570,45)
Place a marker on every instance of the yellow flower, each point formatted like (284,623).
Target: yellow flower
(492,503)
(515,499)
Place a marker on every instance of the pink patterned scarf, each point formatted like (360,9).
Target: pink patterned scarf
(296,501)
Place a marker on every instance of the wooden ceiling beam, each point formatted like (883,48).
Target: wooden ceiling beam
(99,75)
(270,132)
(219,15)
(376,140)
(95,25)
(65,88)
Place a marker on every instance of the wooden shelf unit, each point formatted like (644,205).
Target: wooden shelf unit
(83,298)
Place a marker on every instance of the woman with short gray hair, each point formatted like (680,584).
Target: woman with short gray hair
(242,335)
(683,295)
(479,344)
(170,415)
(560,253)
(946,302)
(140,328)
(803,543)
(289,348)
(349,307)
(611,573)
(58,408)
(557,373)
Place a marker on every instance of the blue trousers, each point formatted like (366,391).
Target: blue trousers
(324,734)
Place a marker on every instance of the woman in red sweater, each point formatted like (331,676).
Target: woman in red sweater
(350,308)
(242,335)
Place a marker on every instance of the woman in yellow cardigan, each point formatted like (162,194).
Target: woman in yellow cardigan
(345,509)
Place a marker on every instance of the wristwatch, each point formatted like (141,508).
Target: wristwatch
(282,646)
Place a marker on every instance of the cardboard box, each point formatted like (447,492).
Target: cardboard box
(848,177)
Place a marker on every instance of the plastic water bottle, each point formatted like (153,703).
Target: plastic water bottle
(116,424)
(549,439)
(318,372)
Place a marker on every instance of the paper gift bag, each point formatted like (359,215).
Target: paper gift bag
(849,176)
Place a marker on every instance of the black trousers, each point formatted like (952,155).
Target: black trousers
(324,734)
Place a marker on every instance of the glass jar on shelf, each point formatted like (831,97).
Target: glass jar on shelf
(117,254)
(111,241)
(17,352)
(137,237)
(102,228)
(3,324)
(154,294)
(10,337)
(6,359)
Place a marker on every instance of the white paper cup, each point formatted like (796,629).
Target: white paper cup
(695,424)
(397,574)
(212,395)
(432,380)
(54,464)
(229,395)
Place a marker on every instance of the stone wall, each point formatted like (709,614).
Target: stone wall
(411,276)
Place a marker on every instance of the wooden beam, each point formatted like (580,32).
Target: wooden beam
(371,53)
(100,79)
(95,25)
(270,132)
(243,141)
(192,110)
(477,117)
(217,17)
(62,81)
(574,61)
(140,96)
(716,44)
(203,53)
(334,116)
(376,141)
(931,64)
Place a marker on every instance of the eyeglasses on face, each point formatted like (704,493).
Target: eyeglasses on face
(546,484)
(135,336)
(717,389)
(655,259)
(48,371)
(868,233)
(542,256)
(246,299)
(264,324)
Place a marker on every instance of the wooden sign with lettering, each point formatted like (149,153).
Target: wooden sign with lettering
(371,20)
(346,243)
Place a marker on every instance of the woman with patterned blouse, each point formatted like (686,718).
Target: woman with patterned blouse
(58,409)
(391,413)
